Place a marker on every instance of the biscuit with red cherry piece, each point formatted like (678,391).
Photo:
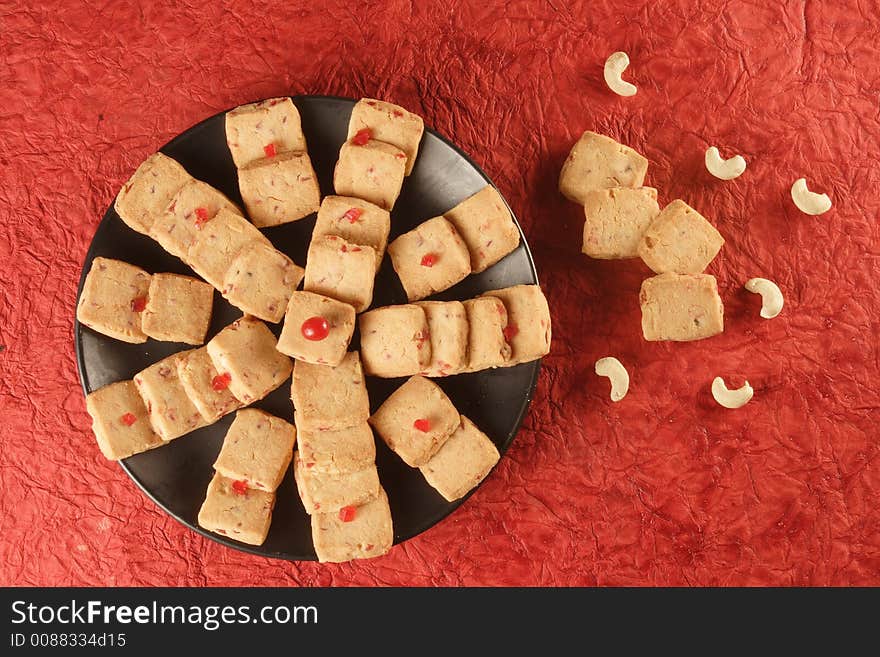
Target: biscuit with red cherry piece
(113,299)
(361,532)
(234,510)
(430,258)
(120,421)
(416,420)
(244,353)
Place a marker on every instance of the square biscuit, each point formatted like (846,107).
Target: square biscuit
(120,421)
(218,242)
(257,449)
(205,387)
(245,350)
(254,129)
(343,450)
(171,411)
(615,220)
(416,420)
(395,341)
(448,328)
(149,190)
(463,461)
(679,241)
(373,171)
(681,307)
(430,258)
(356,221)
(528,329)
(330,397)
(339,537)
(190,208)
(598,162)
(341,270)
(389,123)
(178,309)
(260,280)
(486,226)
(279,189)
(237,512)
(325,492)
(487,344)
(340,327)
(113,298)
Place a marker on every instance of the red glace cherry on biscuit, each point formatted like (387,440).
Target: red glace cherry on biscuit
(201,216)
(430,259)
(422,425)
(269,150)
(221,381)
(138,305)
(240,487)
(315,328)
(128,419)
(362,137)
(347,513)
(353,215)
(510,332)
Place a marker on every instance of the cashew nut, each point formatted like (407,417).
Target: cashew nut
(615,65)
(809,202)
(724,169)
(731,398)
(616,373)
(771,296)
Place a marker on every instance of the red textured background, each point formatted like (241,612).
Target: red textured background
(662,488)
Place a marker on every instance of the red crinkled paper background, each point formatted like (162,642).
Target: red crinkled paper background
(665,487)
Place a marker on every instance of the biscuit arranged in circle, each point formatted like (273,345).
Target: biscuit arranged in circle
(430,258)
(257,129)
(178,309)
(416,420)
(341,270)
(462,462)
(306,307)
(257,449)
(373,171)
(279,189)
(395,341)
(149,190)
(356,221)
(120,421)
(260,280)
(360,532)
(237,511)
(244,354)
(389,123)
(113,297)
(172,412)
(486,226)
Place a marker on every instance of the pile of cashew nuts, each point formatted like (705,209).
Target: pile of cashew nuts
(808,202)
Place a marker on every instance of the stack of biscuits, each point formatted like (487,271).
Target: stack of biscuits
(501,328)
(251,465)
(187,390)
(334,465)
(623,220)
(421,425)
(198,224)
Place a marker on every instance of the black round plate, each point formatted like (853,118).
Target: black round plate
(176,475)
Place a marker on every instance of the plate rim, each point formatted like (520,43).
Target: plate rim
(256,550)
